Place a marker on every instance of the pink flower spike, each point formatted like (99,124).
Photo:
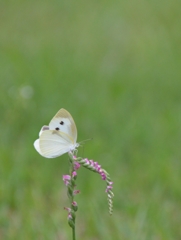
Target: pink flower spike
(74,203)
(76,192)
(67,209)
(91,163)
(108,188)
(69,212)
(76,165)
(97,166)
(74,174)
(103,175)
(87,161)
(66,179)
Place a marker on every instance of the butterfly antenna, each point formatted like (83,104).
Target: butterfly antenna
(82,142)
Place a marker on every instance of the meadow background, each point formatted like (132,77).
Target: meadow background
(116,67)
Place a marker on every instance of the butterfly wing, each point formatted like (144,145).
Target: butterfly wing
(64,122)
(53,143)
(59,137)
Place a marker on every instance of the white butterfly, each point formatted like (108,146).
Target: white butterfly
(59,137)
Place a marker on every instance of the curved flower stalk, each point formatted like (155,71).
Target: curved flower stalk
(95,167)
(69,180)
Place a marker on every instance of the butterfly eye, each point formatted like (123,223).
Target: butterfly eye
(57,129)
(62,123)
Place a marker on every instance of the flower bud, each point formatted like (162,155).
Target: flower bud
(74,206)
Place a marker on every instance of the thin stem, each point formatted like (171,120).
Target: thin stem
(73,234)
(71,197)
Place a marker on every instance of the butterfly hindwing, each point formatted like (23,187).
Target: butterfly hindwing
(53,143)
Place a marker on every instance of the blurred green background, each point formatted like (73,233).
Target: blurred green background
(116,67)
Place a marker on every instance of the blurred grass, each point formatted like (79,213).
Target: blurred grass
(115,66)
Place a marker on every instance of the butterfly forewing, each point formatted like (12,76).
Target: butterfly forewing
(64,123)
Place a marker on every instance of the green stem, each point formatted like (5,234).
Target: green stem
(71,197)
(73,233)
